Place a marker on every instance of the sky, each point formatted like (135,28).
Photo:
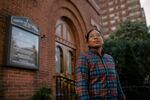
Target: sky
(146,5)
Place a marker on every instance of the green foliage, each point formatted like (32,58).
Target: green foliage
(137,93)
(44,93)
(132,60)
(129,45)
(131,31)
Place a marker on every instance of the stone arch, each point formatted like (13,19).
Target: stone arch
(65,8)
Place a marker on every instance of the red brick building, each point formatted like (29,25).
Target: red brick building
(62,25)
(115,12)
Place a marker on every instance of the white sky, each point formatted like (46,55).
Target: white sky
(146,5)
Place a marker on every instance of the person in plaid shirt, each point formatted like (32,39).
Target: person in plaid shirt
(96,75)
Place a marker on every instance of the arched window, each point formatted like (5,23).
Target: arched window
(58,59)
(69,62)
(65,39)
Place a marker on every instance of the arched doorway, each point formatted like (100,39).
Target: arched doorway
(65,48)
(65,13)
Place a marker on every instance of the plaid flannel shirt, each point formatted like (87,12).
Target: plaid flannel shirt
(97,78)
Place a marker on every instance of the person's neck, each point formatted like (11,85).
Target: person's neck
(99,50)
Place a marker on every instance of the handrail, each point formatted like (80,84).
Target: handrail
(65,88)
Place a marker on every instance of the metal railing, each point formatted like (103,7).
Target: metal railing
(65,88)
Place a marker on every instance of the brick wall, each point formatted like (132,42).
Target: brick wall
(19,83)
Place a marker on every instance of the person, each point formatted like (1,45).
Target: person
(95,72)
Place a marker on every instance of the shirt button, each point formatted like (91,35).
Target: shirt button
(109,91)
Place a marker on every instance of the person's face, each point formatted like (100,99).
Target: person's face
(95,40)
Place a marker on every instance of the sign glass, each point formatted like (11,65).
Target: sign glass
(24,48)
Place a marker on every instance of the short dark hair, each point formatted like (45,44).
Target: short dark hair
(88,33)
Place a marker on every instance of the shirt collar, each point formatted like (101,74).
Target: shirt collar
(95,51)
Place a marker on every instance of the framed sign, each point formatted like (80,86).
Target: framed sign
(23,46)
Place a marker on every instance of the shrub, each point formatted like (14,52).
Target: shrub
(132,60)
(44,93)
